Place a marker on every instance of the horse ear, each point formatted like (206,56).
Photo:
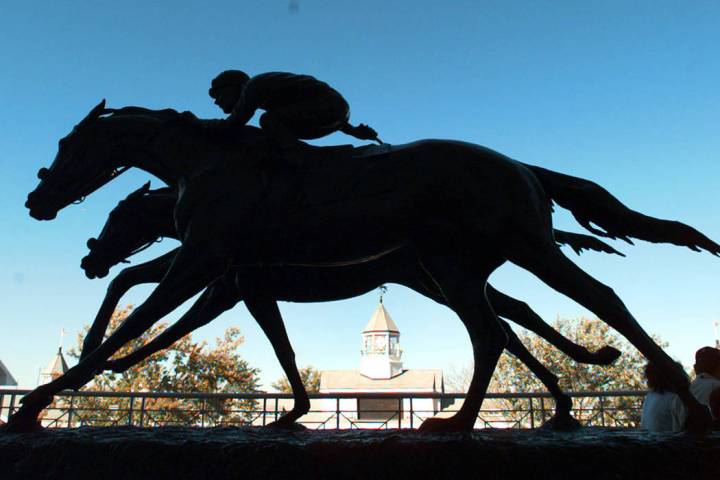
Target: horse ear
(139,192)
(98,110)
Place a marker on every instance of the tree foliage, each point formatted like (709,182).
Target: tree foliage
(310,378)
(184,367)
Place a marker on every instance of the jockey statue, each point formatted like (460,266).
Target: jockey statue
(296,106)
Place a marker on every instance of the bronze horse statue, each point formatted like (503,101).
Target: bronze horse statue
(463,210)
(145,216)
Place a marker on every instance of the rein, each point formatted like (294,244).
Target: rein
(140,249)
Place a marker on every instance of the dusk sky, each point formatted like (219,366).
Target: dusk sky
(622,93)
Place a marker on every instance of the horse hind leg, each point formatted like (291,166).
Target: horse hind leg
(487,335)
(549,264)
(520,313)
(562,420)
(266,313)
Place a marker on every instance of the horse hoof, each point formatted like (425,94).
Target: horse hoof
(562,423)
(21,425)
(607,355)
(287,426)
(444,425)
(288,422)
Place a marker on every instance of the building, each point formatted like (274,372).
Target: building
(56,412)
(6,378)
(55,368)
(381,371)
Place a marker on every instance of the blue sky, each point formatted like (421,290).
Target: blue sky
(623,93)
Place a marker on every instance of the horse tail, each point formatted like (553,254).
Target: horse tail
(579,242)
(600,212)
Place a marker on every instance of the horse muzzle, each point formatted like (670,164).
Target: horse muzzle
(92,268)
(38,211)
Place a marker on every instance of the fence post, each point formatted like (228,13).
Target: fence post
(542,409)
(142,410)
(264,414)
(532,413)
(400,412)
(602,411)
(70,410)
(276,409)
(202,413)
(411,412)
(130,409)
(337,413)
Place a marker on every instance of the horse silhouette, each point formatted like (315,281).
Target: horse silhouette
(146,216)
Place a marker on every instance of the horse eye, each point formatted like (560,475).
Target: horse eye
(42,173)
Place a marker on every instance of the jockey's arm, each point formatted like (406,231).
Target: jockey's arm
(245,107)
(241,114)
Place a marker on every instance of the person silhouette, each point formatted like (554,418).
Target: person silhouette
(663,411)
(707,380)
(295,106)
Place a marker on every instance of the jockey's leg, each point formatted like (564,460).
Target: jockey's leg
(277,130)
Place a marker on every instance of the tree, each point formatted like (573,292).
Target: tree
(626,373)
(457,380)
(310,378)
(184,367)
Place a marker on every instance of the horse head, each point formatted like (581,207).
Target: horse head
(109,141)
(130,228)
(81,166)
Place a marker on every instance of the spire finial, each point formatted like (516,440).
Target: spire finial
(383,291)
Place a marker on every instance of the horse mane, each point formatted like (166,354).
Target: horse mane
(164,114)
(216,129)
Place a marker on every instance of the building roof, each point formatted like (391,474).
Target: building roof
(381,321)
(6,377)
(57,365)
(427,380)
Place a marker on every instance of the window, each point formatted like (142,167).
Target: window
(380,344)
(394,345)
(379,409)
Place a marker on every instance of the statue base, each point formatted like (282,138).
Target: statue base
(249,452)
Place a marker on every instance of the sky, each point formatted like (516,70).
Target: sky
(621,93)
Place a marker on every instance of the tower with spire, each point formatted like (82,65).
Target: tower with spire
(381,371)
(6,378)
(380,352)
(55,368)
(57,365)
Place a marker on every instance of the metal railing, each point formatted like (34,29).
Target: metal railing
(328,411)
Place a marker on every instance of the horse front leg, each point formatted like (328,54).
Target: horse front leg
(217,298)
(148,272)
(191,271)
(266,313)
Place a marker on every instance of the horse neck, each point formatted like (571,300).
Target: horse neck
(157,211)
(154,145)
(176,151)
